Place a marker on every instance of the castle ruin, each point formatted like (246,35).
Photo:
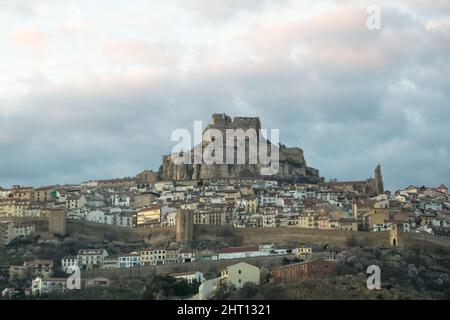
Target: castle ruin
(292,164)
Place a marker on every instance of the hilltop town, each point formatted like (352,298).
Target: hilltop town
(53,216)
(218,231)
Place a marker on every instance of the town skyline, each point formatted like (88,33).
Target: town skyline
(82,98)
(130,174)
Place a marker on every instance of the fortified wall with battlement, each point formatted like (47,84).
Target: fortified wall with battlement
(222,121)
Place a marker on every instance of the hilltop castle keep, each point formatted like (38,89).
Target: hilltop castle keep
(292,164)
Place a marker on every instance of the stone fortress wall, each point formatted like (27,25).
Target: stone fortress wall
(292,164)
(222,122)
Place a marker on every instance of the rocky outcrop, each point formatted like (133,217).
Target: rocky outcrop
(292,164)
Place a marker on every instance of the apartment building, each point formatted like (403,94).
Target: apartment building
(7,233)
(153,257)
(69,261)
(91,259)
(129,260)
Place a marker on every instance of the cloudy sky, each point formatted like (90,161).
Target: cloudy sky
(91,91)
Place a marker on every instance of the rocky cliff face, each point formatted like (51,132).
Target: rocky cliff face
(292,164)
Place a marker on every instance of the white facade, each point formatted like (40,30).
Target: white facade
(382,227)
(75,202)
(186,256)
(170,220)
(439,223)
(129,260)
(89,259)
(23,230)
(265,200)
(96,215)
(191,276)
(41,286)
(110,263)
(153,257)
(121,201)
(68,262)
(32,213)
(239,254)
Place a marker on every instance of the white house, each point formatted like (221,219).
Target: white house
(91,259)
(78,214)
(110,263)
(122,201)
(123,220)
(170,219)
(190,276)
(69,261)
(382,227)
(75,202)
(129,260)
(186,255)
(234,253)
(163,185)
(407,226)
(267,199)
(96,215)
(266,249)
(41,286)
(439,223)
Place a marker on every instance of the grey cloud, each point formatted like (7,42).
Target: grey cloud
(347,115)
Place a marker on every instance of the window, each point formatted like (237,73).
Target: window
(240,272)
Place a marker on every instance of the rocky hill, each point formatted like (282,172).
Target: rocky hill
(292,164)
